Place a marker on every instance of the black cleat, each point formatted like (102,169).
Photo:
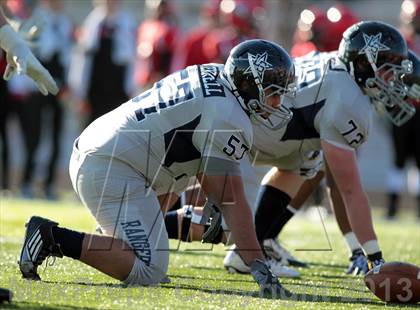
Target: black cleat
(5,295)
(37,246)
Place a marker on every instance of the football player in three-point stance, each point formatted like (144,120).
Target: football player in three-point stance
(358,262)
(332,112)
(134,160)
(337,93)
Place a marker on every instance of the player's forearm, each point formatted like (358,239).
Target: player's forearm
(242,231)
(342,165)
(337,203)
(360,217)
(339,211)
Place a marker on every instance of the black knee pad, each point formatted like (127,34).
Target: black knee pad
(271,212)
(185,228)
(171,223)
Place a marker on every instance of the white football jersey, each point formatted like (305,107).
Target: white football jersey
(328,105)
(186,123)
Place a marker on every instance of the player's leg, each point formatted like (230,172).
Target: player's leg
(307,188)
(277,188)
(272,246)
(135,245)
(4,153)
(271,203)
(29,112)
(273,211)
(185,225)
(56,109)
(395,180)
(129,212)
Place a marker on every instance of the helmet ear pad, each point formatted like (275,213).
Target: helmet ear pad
(247,89)
(362,70)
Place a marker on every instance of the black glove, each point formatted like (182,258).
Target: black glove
(375,260)
(358,263)
(270,286)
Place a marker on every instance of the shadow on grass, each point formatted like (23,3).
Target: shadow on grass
(178,276)
(208,268)
(283,281)
(111,285)
(330,276)
(196,252)
(328,265)
(295,297)
(37,306)
(332,287)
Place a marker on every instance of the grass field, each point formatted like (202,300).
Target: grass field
(198,279)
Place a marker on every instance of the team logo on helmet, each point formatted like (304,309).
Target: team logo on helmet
(259,63)
(373,46)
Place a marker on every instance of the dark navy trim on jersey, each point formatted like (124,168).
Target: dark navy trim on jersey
(179,146)
(181,96)
(210,86)
(301,126)
(139,115)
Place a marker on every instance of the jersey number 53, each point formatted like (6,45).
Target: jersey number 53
(234,144)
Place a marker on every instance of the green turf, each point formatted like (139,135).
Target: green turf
(198,279)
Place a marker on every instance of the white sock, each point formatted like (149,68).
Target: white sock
(370,247)
(352,241)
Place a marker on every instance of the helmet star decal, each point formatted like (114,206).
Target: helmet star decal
(260,64)
(373,46)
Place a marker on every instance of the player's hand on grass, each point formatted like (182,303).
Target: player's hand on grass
(358,263)
(20,60)
(374,260)
(270,286)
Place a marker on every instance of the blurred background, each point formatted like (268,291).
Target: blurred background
(103,52)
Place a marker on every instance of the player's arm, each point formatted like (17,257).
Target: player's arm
(227,192)
(343,166)
(20,59)
(358,261)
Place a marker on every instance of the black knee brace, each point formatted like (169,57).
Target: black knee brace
(272,213)
(171,223)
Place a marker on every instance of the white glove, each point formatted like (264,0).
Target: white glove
(30,28)
(20,60)
(312,163)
